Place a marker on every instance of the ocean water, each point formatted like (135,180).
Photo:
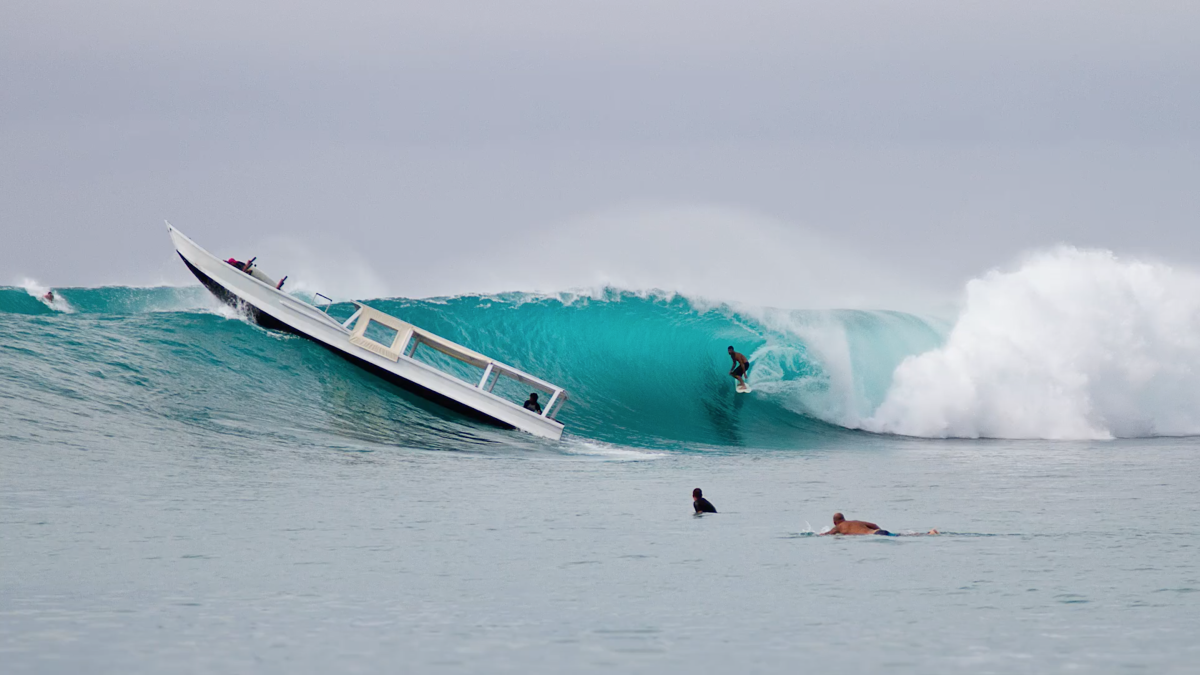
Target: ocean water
(183,491)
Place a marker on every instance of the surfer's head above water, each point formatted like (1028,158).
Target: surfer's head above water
(837,518)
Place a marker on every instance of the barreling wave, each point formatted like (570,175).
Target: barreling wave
(1070,345)
(647,370)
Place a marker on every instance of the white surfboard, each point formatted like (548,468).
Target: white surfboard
(743,389)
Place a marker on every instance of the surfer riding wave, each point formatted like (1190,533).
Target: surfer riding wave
(741,367)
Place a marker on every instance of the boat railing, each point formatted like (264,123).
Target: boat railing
(408,337)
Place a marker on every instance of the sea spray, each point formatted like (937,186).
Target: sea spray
(44,295)
(1074,344)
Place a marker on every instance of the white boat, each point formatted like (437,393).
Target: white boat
(379,343)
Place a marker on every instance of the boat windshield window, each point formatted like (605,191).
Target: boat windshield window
(377,332)
(447,364)
(516,392)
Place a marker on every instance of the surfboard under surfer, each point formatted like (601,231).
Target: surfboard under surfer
(741,366)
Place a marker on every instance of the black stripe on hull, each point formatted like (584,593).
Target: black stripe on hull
(267,321)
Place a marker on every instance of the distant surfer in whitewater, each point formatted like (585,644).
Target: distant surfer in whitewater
(49,296)
(741,367)
(843,526)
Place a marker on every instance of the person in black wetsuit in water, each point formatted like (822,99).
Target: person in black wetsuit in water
(701,504)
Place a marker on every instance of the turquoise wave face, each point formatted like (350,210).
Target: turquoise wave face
(645,370)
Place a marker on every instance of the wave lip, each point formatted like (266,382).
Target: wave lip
(1074,344)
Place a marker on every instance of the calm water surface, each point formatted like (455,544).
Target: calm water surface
(194,552)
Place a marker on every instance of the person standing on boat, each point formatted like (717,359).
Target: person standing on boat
(533,405)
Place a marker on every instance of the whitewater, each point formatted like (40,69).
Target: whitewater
(185,491)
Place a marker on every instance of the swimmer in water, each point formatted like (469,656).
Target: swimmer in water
(49,296)
(843,526)
(701,504)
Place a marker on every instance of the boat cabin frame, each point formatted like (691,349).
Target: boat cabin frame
(409,337)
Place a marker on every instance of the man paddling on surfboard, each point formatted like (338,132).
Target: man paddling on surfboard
(741,367)
(843,526)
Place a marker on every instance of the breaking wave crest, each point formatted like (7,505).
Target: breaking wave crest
(1070,345)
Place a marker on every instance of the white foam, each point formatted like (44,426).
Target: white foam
(1073,344)
(608,451)
(37,290)
(831,395)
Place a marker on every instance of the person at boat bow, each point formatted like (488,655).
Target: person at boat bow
(243,266)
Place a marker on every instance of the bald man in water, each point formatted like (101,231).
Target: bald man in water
(843,526)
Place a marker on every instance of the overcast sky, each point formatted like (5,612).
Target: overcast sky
(788,153)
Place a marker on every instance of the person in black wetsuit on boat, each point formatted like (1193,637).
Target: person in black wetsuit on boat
(532,404)
(701,504)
